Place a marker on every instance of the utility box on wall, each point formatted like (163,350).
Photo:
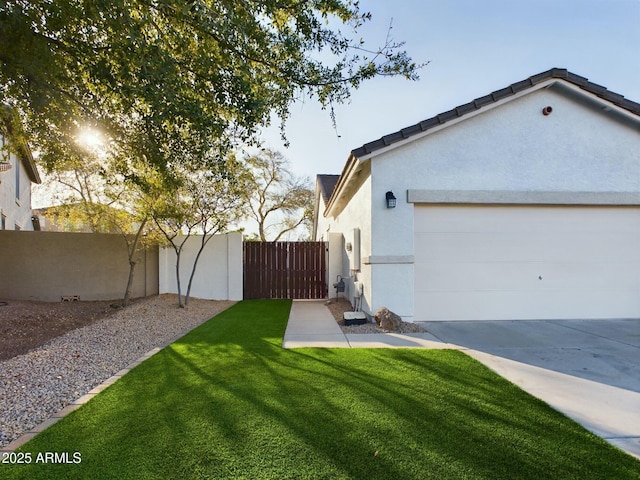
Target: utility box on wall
(354,257)
(336,252)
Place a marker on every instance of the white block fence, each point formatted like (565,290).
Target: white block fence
(218,273)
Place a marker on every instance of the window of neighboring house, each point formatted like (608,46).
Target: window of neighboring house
(3,226)
(18,227)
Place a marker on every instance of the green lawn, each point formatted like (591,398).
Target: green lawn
(226,401)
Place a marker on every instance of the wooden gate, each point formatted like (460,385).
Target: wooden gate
(285,270)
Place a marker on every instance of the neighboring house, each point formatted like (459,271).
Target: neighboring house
(522,204)
(17,172)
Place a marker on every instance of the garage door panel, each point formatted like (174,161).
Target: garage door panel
(525,276)
(478,246)
(485,262)
(495,305)
(526,219)
(536,246)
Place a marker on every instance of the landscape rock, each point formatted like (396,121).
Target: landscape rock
(338,306)
(387,320)
(38,384)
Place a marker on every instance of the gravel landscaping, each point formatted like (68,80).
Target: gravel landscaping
(337,307)
(25,325)
(37,384)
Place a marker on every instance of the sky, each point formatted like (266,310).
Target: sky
(473,48)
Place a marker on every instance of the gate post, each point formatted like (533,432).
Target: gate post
(234,266)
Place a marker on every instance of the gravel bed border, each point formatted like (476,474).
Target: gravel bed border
(39,384)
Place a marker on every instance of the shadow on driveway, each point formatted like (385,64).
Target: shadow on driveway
(587,369)
(603,351)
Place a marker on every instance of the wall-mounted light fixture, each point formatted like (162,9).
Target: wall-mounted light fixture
(391,200)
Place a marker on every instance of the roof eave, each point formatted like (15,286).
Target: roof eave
(29,164)
(598,93)
(482,104)
(345,176)
(448,119)
(605,104)
(22,149)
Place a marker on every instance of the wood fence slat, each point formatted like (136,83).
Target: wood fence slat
(282,271)
(293,272)
(297,272)
(300,269)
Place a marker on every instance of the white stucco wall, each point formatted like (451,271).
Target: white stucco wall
(579,147)
(391,258)
(218,273)
(16,208)
(322,222)
(356,214)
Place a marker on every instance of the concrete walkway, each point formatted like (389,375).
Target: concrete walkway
(312,325)
(610,412)
(609,408)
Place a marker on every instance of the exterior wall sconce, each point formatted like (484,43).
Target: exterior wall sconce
(391,200)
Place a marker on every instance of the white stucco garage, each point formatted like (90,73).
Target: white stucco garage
(526,262)
(522,204)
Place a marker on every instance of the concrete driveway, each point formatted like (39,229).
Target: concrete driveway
(587,369)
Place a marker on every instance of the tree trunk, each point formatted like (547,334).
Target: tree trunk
(132,263)
(178,252)
(203,244)
(127,293)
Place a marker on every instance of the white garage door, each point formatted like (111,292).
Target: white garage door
(512,262)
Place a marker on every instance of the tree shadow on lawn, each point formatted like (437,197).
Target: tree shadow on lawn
(226,401)
(425,413)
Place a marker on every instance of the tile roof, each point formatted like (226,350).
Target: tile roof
(560,73)
(327,184)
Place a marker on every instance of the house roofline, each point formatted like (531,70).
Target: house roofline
(492,100)
(22,149)
(29,163)
(326,184)
(345,175)
(540,80)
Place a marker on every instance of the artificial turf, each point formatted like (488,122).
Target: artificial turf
(227,401)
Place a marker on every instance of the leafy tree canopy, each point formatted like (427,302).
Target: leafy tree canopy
(178,81)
